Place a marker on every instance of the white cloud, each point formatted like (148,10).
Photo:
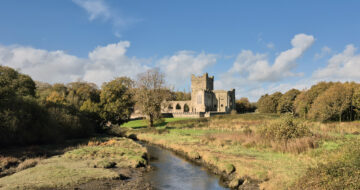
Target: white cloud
(344,66)
(252,75)
(95,8)
(256,67)
(324,51)
(179,67)
(43,65)
(108,62)
(103,64)
(98,9)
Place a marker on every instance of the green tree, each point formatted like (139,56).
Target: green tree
(116,99)
(22,120)
(12,84)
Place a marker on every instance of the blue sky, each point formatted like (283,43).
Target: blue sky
(255,47)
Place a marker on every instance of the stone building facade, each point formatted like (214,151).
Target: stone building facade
(205,101)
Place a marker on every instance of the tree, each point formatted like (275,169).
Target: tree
(12,84)
(179,96)
(286,102)
(243,105)
(151,93)
(22,120)
(116,99)
(305,99)
(356,101)
(79,92)
(331,104)
(268,103)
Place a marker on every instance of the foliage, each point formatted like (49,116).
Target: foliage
(179,96)
(41,113)
(116,99)
(332,103)
(340,173)
(285,129)
(12,83)
(286,102)
(306,98)
(79,92)
(268,103)
(22,119)
(243,105)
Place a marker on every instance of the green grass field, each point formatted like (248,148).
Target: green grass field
(143,123)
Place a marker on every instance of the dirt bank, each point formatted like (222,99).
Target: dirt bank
(129,179)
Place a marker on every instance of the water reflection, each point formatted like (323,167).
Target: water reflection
(173,172)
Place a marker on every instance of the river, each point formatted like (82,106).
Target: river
(175,173)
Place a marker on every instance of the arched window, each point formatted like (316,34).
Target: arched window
(170,107)
(186,108)
(178,107)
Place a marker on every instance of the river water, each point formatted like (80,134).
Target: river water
(175,173)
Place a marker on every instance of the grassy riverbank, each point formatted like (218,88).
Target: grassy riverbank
(91,160)
(234,146)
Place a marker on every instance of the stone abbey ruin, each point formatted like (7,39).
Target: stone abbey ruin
(205,101)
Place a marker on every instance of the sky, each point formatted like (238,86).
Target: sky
(255,47)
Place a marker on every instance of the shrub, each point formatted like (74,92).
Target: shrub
(341,173)
(285,129)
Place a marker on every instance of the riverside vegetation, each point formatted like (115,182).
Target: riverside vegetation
(265,151)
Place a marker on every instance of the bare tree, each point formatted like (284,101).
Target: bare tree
(151,94)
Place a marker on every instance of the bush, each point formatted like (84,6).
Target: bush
(341,173)
(285,129)
(72,123)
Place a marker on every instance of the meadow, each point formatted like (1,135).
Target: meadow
(265,151)
(94,159)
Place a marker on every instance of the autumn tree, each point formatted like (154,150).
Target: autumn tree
(286,102)
(331,104)
(356,101)
(269,103)
(151,93)
(306,98)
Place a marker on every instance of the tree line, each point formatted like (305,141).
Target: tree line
(324,101)
(37,112)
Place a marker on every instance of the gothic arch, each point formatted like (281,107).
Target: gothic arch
(186,108)
(178,107)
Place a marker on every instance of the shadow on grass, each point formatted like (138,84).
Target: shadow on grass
(161,124)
